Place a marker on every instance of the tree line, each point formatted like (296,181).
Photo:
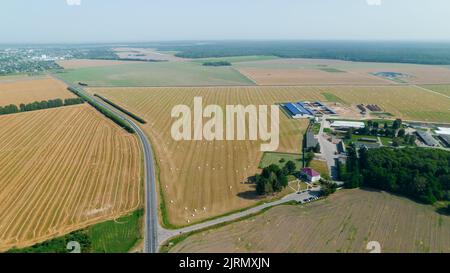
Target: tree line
(105,111)
(394,131)
(422,174)
(392,52)
(218,63)
(139,119)
(39,105)
(273,178)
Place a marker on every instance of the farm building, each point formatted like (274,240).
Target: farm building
(443,131)
(307,109)
(341,147)
(428,139)
(297,111)
(347,124)
(445,139)
(311,141)
(311,175)
(360,145)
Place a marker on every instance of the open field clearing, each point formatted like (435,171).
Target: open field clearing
(79,63)
(21,77)
(62,170)
(409,103)
(315,72)
(345,222)
(443,89)
(202,179)
(146,54)
(31,90)
(212,175)
(157,74)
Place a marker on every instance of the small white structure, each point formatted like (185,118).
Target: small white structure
(347,124)
(311,175)
(443,131)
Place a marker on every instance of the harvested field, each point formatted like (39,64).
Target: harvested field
(201,174)
(345,223)
(196,174)
(31,90)
(316,72)
(79,63)
(61,170)
(410,103)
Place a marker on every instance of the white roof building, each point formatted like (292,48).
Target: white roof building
(443,131)
(348,124)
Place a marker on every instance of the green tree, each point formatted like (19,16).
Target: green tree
(290,167)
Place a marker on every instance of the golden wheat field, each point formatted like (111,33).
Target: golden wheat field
(203,179)
(61,170)
(345,222)
(27,90)
(406,102)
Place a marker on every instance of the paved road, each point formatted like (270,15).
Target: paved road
(328,149)
(151,242)
(155,234)
(167,234)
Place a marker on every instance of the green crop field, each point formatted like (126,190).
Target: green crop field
(157,74)
(280,159)
(116,236)
(443,89)
(333,98)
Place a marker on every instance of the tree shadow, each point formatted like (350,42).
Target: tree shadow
(443,211)
(249,195)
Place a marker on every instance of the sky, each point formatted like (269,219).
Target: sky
(81,21)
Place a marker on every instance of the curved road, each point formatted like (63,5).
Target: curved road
(151,243)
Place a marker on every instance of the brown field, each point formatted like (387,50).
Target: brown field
(146,54)
(199,174)
(344,223)
(311,72)
(62,170)
(29,90)
(78,63)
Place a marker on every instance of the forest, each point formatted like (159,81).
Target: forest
(419,173)
(363,51)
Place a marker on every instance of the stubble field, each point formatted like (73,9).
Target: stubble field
(202,179)
(28,90)
(344,223)
(62,170)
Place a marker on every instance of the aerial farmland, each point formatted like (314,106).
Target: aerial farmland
(198,178)
(342,224)
(30,89)
(62,170)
